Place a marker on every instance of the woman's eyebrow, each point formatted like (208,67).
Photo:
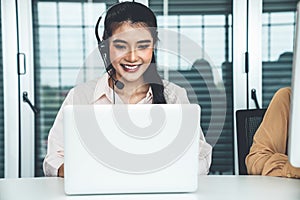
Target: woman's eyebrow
(119,41)
(123,41)
(144,41)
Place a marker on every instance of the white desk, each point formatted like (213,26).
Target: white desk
(210,188)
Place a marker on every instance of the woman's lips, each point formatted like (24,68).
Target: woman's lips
(130,68)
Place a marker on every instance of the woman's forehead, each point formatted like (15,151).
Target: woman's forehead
(131,31)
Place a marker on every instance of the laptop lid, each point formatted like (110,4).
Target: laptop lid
(294,125)
(142,148)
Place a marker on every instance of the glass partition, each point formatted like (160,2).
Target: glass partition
(278,27)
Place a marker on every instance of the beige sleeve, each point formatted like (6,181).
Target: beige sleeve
(268,153)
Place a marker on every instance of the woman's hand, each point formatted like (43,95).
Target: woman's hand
(60,172)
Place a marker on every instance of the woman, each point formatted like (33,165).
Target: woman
(130,35)
(268,153)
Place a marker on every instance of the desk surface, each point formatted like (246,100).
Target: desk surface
(210,188)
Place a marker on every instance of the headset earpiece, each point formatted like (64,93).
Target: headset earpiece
(103,49)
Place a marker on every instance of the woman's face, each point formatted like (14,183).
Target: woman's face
(130,50)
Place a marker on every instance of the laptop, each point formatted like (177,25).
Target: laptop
(141,148)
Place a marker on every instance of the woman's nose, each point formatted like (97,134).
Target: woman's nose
(132,56)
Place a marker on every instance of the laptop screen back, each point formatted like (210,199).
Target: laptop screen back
(294,126)
(131,148)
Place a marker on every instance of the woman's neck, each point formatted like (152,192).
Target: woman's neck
(133,92)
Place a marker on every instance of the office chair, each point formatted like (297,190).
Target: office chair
(247,122)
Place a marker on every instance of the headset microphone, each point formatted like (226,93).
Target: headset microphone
(117,83)
(103,49)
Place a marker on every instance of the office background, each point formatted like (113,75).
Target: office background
(57,37)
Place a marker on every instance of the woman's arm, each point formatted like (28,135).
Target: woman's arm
(268,153)
(205,155)
(55,148)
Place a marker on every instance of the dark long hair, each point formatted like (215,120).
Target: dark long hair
(137,13)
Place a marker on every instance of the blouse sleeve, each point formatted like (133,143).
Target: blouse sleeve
(268,153)
(55,149)
(205,154)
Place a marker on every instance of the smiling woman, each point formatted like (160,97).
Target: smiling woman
(129,39)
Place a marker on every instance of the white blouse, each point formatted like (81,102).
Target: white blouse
(99,92)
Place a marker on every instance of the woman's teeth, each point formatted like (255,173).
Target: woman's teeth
(131,67)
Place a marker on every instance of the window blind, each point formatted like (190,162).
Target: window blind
(276,75)
(279,5)
(192,7)
(278,37)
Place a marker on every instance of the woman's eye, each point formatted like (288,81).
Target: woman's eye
(143,46)
(120,47)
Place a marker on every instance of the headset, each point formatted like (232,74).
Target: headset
(103,48)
